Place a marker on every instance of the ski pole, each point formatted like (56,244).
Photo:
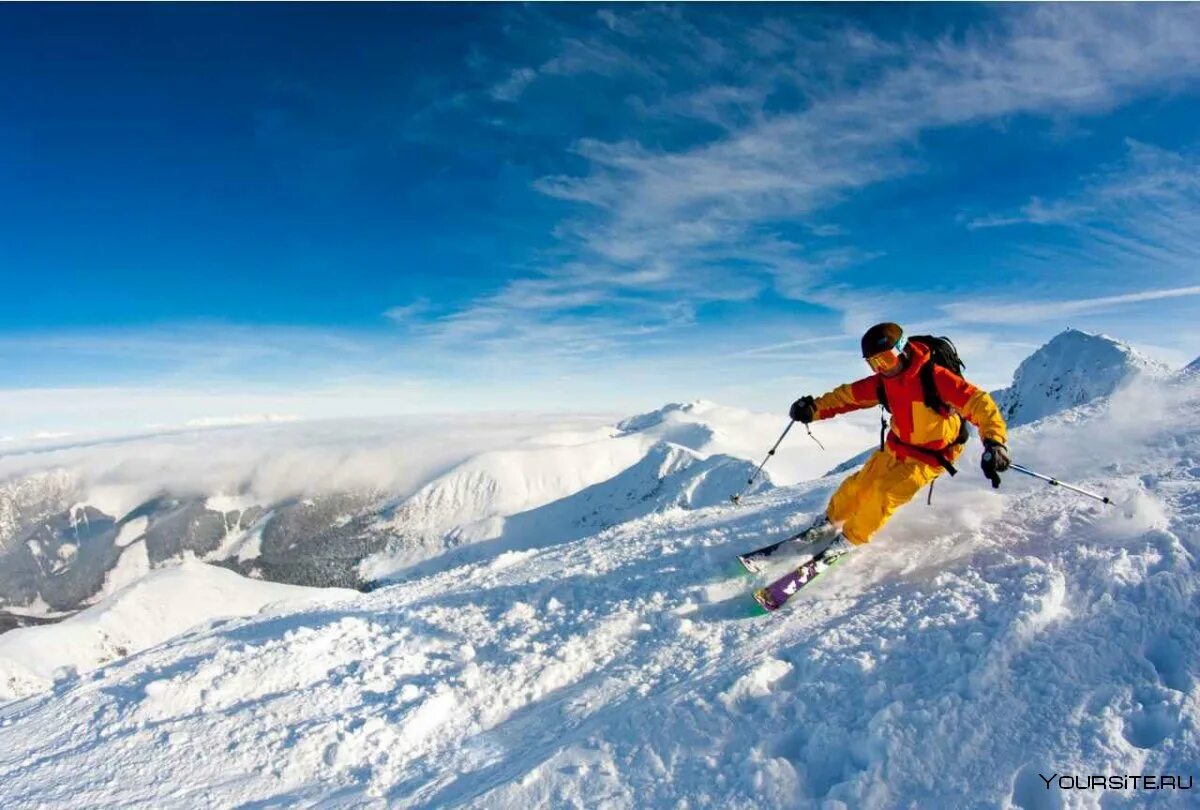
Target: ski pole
(750,481)
(1054,482)
(769,454)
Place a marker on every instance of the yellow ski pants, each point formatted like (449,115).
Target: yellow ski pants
(867,499)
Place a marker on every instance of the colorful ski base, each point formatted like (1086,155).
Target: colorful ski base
(774,596)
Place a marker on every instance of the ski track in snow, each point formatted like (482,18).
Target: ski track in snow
(971,647)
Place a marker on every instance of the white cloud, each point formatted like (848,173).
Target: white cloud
(405,313)
(1035,212)
(240,420)
(1136,218)
(697,224)
(268,463)
(987,311)
(514,85)
(777,349)
(84,413)
(1148,178)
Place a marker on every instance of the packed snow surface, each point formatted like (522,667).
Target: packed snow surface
(974,645)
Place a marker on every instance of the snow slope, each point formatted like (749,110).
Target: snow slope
(712,429)
(668,477)
(972,646)
(686,456)
(158,606)
(502,483)
(1073,368)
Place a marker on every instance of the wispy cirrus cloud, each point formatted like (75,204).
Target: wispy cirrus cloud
(195,351)
(1147,176)
(404,313)
(1135,219)
(787,349)
(1001,312)
(510,88)
(690,214)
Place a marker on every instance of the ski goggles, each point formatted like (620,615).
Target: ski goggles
(888,361)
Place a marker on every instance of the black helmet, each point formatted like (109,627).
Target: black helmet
(880,338)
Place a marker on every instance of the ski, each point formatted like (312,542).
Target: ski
(774,596)
(753,561)
(757,560)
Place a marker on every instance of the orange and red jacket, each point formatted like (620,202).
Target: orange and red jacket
(915,427)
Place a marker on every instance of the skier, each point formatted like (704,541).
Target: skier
(928,403)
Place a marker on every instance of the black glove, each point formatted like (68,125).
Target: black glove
(995,461)
(803,410)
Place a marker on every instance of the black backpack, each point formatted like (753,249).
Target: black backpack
(942,352)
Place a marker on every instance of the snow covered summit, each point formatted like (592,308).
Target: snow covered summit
(1072,369)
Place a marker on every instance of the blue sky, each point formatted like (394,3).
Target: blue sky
(357,210)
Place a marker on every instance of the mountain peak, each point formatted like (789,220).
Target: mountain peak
(1073,368)
(672,411)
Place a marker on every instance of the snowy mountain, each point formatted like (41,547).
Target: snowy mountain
(679,456)
(976,644)
(711,429)
(67,540)
(1072,369)
(64,555)
(152,609)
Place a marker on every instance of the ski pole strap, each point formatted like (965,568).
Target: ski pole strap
(1054,482)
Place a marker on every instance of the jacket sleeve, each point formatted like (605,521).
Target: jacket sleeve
(972,402)
(850,397)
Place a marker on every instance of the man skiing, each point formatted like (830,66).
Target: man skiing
(926,435)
